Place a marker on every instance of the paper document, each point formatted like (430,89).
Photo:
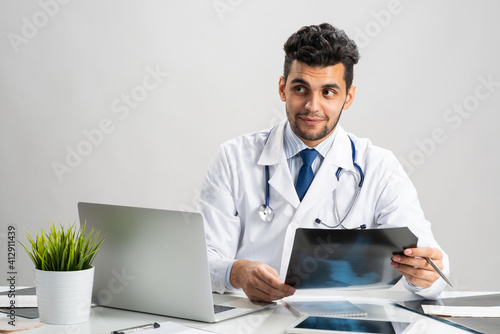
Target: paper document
(20,301)
(463,311)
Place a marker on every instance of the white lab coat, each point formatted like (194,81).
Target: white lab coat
(235,188)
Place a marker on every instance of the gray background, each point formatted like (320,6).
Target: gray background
(68,68)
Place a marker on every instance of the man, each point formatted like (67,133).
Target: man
(251,253)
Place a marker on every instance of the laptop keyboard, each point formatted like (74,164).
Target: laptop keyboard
(222,308)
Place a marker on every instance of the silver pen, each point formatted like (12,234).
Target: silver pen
(436,268)
(136,328)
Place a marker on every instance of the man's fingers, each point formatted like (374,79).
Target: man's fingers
(257,295)
(416,257)
(268,275)
(273,288)
(411,261)
(264,292)
(433,253)
(260,282)
(418,276)
(418,281)
(421,273)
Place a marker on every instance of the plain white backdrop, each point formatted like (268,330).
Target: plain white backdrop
(126,102)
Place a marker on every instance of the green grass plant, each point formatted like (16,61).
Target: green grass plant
(63,249)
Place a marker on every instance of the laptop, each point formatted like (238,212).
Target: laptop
(155,261)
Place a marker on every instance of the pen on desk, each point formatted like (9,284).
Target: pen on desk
(446,279)
(136,328)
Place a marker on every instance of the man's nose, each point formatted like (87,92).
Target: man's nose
(313,103)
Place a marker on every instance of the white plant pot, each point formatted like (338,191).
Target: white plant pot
(64,297)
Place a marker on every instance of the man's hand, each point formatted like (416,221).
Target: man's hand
(259,281)
(415,267)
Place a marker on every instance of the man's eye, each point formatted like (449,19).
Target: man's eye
(329,92)
(300,89)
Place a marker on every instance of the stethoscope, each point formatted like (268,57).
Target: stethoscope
(266,213)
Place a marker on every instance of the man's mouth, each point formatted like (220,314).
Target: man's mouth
(311,120)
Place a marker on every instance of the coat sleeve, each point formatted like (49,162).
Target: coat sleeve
(398,205)
(222,224)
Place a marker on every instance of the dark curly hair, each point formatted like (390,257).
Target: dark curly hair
(322,45)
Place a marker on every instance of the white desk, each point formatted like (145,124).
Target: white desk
(274,320)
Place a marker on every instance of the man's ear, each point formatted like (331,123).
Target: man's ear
(281,88)
(350,97)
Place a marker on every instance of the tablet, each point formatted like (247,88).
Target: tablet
(314,324)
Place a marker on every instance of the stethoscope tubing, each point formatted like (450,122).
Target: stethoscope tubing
(267,213)
(267,186)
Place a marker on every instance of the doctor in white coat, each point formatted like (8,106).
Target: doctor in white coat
(251,253)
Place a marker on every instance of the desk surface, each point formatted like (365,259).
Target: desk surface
(275,320)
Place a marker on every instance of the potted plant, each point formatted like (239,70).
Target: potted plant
(64,274)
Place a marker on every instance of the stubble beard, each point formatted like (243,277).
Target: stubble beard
(312,136)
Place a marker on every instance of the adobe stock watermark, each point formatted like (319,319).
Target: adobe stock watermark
(30,26)
(324,250)
(191,207)
(249,323)
(188,209)
(223,7)
(116,285)
(453,117)
(380,20)
(277,117)
(121,107)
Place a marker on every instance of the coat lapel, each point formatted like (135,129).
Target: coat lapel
(273,155)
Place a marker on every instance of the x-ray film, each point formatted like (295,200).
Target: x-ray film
(323,258)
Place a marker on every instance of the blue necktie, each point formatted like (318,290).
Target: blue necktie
(306,174)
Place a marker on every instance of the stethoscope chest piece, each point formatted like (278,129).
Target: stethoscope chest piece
(266,213)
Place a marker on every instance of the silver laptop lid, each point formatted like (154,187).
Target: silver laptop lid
(134,268)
